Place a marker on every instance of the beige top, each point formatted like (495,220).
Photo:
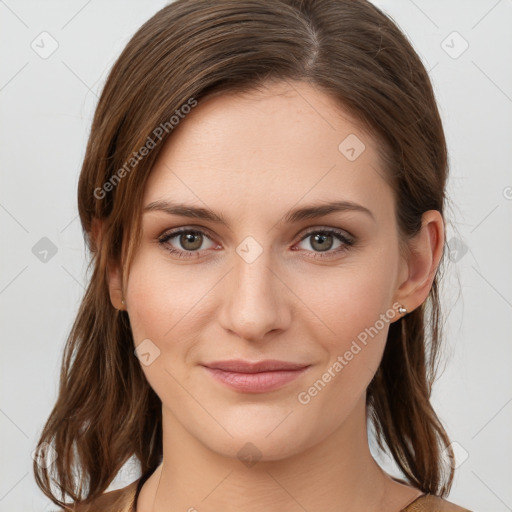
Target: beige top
(124,500)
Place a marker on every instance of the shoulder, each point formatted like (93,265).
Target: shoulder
(431,503)
(119,500)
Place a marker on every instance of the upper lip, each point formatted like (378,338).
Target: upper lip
(241,366)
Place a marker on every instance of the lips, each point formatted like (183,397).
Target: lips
(240,366)
(255,377)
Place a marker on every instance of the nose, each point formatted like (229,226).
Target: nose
(255,301)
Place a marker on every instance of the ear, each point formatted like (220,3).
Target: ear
(115,286)
(425,252)
(113,271)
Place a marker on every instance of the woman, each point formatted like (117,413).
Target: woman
(263,195)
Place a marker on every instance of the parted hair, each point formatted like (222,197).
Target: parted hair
(106,412)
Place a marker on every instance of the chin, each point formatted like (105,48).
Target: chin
(250,451)
(258,443)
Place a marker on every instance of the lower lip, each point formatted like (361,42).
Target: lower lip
(255,382)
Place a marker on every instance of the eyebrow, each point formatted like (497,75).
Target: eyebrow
(292,216)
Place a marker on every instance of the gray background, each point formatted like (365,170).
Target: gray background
(47,103)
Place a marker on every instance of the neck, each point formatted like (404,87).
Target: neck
(339,473)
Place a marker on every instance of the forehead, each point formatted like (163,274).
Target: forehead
(276,146)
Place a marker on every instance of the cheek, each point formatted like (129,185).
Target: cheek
(353,356)
(350,300)
(164,308)
(355,307)
(161,302)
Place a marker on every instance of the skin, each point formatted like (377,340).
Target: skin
(252,157)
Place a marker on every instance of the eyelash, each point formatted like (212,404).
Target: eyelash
(340,235)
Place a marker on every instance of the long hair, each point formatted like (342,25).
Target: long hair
(106,412)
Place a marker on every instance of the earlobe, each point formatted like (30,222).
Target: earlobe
(425,252)
(113,272)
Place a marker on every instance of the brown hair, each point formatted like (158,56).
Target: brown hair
(106,412)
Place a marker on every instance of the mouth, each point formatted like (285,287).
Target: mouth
(255,377)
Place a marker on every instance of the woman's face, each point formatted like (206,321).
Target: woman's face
(272,281)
